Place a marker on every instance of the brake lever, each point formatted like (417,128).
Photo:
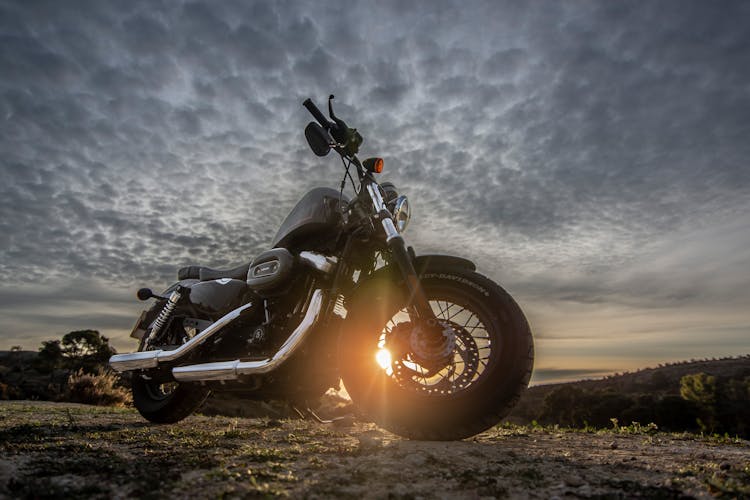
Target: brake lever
(330,107)
(339,130)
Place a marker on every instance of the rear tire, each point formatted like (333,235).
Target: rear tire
(165,402)
(490,370)
(161,407)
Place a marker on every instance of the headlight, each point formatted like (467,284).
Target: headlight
(401,213)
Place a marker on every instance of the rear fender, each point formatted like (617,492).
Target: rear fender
(185,283)
(207,299)
(148,316)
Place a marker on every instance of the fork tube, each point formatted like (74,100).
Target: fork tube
(416,294)
(400,254)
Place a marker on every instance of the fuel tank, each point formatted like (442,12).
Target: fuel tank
(317,213)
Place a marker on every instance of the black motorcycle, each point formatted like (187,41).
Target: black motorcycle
(425,346)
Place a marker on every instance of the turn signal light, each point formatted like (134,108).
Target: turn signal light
(373,165)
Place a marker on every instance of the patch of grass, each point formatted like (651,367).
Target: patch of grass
(634,489)
(43,488)
(269,480)
(634,428)
(530,476)
(92,462)
(730,483)
(31,431)
(266,454)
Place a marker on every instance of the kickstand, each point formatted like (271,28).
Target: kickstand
(307,413)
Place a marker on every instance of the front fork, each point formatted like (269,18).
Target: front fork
(400,254)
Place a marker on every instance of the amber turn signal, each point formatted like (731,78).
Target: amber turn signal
(373,165)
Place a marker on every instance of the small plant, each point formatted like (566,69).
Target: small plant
(96,389)
(638,428)
(634,427)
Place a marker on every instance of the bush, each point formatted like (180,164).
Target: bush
(6,392)
(96,389)
(723,403)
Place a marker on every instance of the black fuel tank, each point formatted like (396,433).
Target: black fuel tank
(316,213)
(218,297)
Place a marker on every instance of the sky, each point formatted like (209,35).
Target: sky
(589,156)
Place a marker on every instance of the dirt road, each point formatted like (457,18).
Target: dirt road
(68,450)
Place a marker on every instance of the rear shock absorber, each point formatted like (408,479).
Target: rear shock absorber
(164,315)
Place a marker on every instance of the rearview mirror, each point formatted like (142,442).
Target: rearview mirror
(318,139)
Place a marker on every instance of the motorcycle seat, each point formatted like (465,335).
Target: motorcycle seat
(207,274)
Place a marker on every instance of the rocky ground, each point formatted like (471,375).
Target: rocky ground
(68,450)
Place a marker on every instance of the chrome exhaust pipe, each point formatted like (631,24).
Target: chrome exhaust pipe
(231,370)
(151,359)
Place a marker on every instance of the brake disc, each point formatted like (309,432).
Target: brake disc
(447,375)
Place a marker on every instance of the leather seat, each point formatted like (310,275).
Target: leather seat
(206,273)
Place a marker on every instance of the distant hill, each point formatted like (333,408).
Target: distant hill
(657,382)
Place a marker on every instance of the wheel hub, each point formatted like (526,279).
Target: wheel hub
(430,345)
(433,345)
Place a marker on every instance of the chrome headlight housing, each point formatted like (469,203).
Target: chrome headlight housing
(401,213)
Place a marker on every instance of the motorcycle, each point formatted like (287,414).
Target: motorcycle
(425,346)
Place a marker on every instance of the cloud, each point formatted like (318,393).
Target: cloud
(576,151)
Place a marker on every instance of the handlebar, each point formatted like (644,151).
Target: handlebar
(346,140)
(319,117)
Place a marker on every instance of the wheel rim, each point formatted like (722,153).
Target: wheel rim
(160,391)
(474,349)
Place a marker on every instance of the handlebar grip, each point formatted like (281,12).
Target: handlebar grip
(320,117)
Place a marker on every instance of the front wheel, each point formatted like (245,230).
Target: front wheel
(486,367)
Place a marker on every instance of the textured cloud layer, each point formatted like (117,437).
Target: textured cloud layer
(585,153)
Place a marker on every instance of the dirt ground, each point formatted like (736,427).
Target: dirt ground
(75,451)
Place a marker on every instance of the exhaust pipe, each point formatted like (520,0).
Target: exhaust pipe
(151,359)
(231,370)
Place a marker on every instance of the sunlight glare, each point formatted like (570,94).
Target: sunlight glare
(383,357)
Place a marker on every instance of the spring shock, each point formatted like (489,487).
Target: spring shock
(164,315)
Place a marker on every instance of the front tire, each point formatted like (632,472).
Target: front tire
(490,368)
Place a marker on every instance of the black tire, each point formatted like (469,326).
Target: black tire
(162,407)
(170,402)
(451,408)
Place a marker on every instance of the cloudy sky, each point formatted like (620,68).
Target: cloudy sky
(592,157)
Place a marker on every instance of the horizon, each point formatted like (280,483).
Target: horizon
(553,376)
(589,157)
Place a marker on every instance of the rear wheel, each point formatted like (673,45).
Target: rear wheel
(164,401)
(439,391)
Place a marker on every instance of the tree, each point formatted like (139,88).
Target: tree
(50,356)
(86,349)
(562,406)
(733,406)
(702,390)
(699,387)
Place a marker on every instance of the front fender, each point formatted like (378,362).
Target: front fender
(421,264)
